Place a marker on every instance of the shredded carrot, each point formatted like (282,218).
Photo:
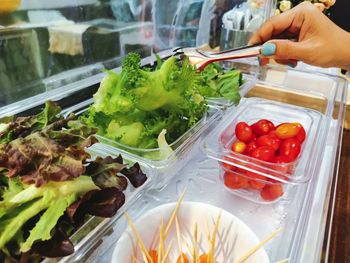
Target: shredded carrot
(204,258)
(154,256)
(182,258)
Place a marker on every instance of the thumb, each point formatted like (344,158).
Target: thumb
(283,49)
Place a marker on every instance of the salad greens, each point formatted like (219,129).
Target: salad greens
(134,106)
(48,181)
(215,82)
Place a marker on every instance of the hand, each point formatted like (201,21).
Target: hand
(319,41)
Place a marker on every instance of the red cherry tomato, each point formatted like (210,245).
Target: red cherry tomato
(301,135)
(264,153)
(244,132)
(287,130)
(239,147)
(262,127)
(290,149)
(272,133)
(228,166)
(256,184)
(281,160)
(251,147)
(281,167)
(235,181)
(269,140)
(271,192)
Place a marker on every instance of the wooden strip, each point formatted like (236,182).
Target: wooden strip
(174,214)
(138,237)
(258,246)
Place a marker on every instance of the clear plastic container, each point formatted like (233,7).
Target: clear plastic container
(302,210)
(225,104)
(90,234)
(183,147)
(218,143)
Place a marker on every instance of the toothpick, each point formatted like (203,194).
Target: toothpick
(178,236)
(135,259)
(174,214)
(213,240)
(195,248)
(160,245)
(190,249)
(139,239)
(167,252)
(283,260)
(258,246)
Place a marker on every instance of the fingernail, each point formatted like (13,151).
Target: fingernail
(292,64)
(263,61)
(268,49)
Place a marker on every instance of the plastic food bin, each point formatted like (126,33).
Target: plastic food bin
(183,147)
(91,232)
(287,175)
(300,212)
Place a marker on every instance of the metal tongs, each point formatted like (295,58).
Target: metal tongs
(200,58)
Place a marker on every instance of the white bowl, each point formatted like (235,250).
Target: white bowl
(234,237)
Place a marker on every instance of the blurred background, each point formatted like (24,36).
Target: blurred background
(46,44)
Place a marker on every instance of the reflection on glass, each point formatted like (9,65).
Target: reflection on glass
(48,44)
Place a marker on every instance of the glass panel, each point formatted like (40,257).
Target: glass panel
(45,45)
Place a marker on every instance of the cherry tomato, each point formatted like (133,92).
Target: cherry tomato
(203,258)
(235,181)
(251,147)
(239,147)
(228,166)
(287,130)
(269,140)
(154,256)
(301,135)
(272,133)
(256,184)
(262,127)
(290,149)
(271,192)
(264,153)
(281,160)
(281,167)
(182,259)
(244,132)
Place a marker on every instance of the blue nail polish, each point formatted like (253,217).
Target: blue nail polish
(268,49)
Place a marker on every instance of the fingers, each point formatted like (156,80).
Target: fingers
(284,49)
(273,27)
(287,23)
(265,60)
(291,63)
